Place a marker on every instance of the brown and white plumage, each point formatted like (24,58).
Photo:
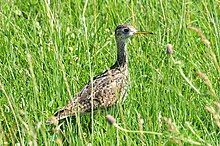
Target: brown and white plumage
(107,88)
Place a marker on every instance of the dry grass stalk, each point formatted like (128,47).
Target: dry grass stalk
(141,121)
(202,75)
(111,120)
(215,113)
(200,34)
(171,126)
(173,129)
(206,81)
(160,124)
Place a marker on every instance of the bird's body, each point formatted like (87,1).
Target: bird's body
(106,89)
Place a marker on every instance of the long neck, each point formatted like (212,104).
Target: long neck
(121,52)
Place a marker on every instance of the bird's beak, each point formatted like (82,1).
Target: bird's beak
(143,32)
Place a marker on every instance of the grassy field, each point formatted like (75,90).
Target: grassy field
(50,50)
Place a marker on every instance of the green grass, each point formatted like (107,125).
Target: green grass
(38,38)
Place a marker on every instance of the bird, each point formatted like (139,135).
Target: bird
(106,89)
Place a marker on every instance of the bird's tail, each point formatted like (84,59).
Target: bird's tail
(59,115)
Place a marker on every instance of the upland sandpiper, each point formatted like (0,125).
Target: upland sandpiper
(105,89)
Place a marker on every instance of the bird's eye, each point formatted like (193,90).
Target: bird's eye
(126,30)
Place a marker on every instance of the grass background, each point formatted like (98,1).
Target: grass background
(50,49)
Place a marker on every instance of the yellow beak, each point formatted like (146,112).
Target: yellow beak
(143,32)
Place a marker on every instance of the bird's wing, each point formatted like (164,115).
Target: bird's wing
(105,90)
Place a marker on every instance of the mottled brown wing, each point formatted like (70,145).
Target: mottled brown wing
(106,90)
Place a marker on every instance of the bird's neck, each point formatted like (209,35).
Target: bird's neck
(122,58)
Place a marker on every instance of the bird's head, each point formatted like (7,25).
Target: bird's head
(125,31)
